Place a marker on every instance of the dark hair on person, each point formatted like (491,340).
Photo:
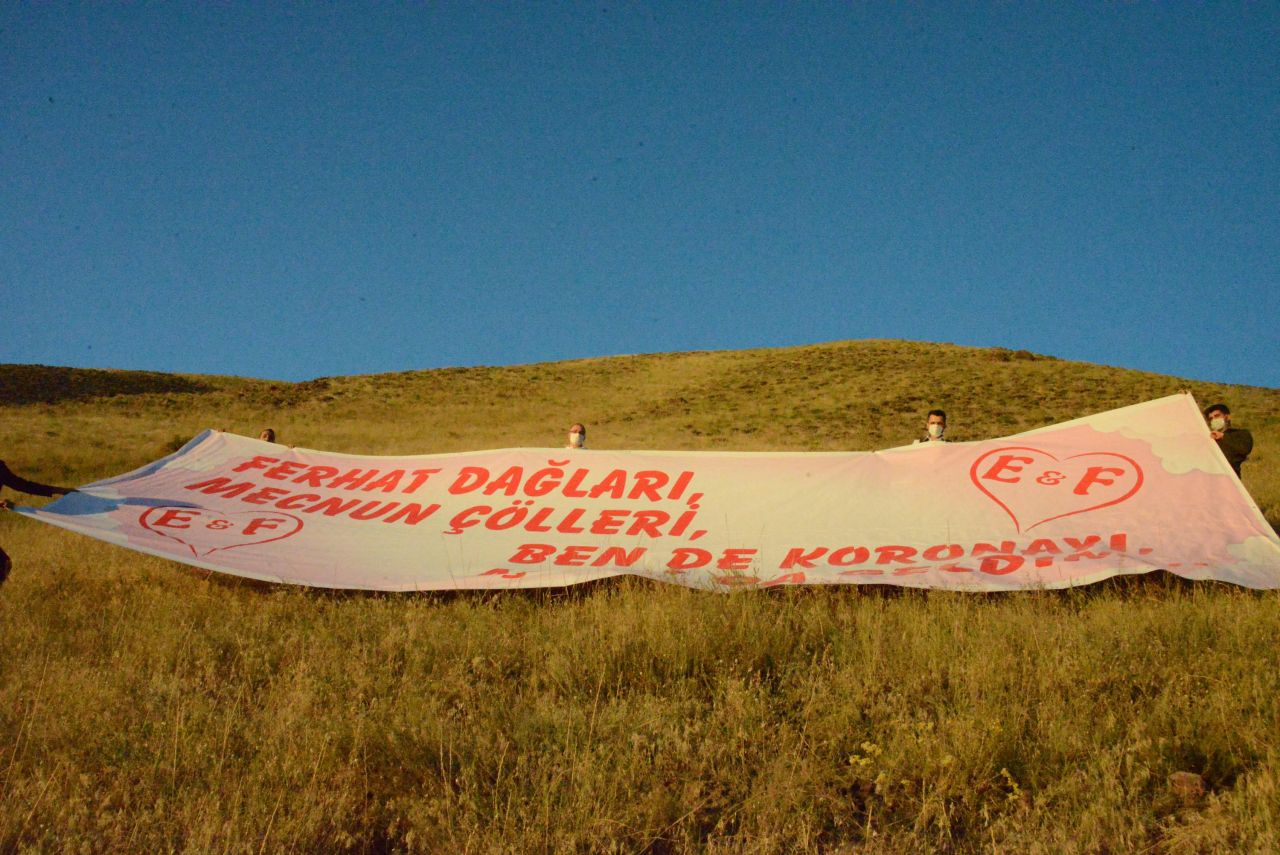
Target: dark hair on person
(938,413)
(1226,411)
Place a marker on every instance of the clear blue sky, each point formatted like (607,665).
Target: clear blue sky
(299,190)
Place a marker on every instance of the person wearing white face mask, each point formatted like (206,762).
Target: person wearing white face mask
(935,425)
(1236,443)
(577,436)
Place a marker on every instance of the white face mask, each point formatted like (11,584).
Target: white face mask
(1217,423)
(935,430)
(575,440)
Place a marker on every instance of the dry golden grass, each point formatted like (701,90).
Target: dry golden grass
(146,707)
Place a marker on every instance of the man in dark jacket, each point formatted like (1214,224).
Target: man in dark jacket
(22,485)
(1236,443)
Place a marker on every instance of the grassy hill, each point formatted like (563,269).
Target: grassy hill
(144,706)
(78,424)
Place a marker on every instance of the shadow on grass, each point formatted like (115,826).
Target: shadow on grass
(45,384)
(1157,584)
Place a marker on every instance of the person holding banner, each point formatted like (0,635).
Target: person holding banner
(935,425)
(577,436)
(267,435)
(22,485)
(1236,443)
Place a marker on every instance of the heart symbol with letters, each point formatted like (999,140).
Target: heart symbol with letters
(1034,486)
(204,531)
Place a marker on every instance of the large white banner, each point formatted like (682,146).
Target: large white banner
(1126,491)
